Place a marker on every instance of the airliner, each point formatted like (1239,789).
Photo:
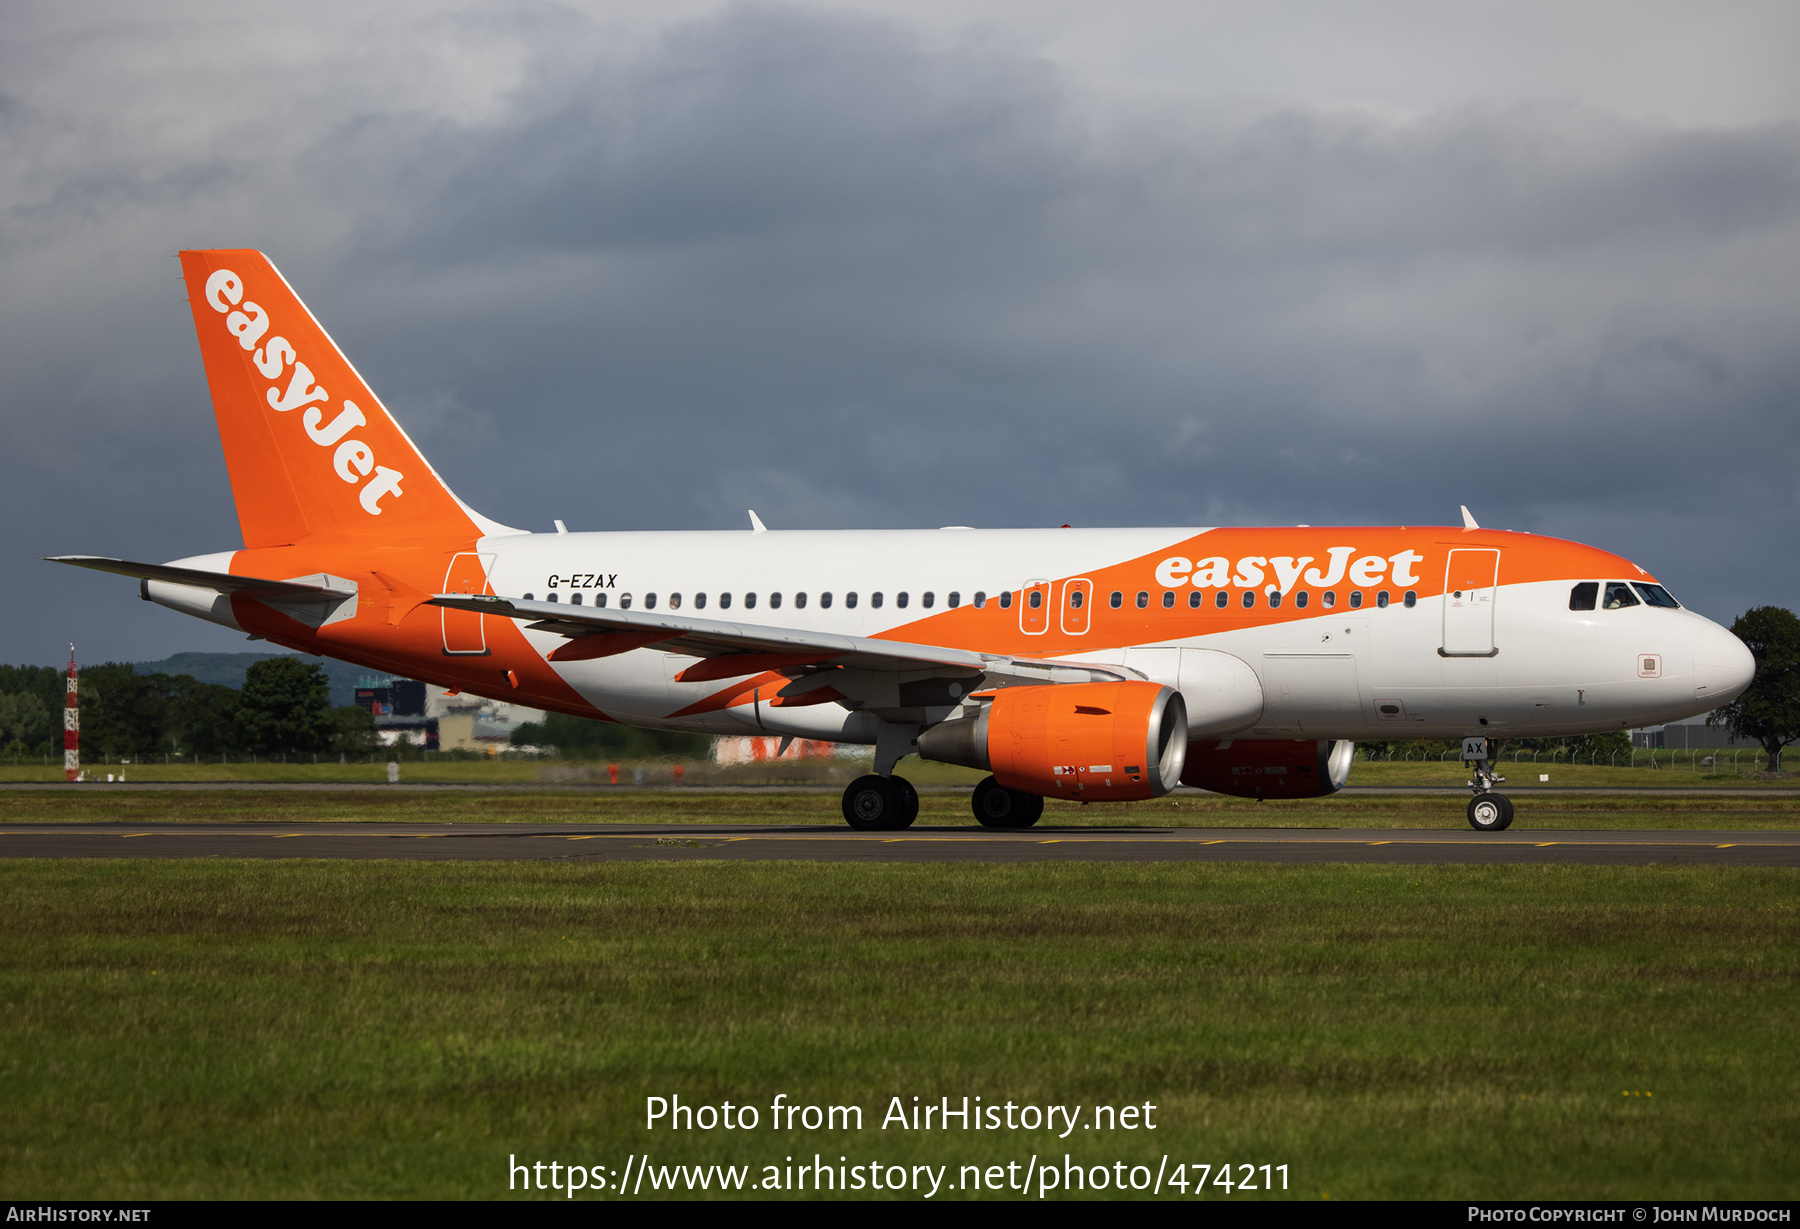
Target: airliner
(1091,665)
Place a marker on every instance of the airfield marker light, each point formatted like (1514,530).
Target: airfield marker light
(71,726)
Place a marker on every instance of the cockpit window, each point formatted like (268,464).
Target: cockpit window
(1656,595)
(1618,596)
(1584,595)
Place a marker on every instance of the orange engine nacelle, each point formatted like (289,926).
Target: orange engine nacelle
(1090,742)
(1269,768)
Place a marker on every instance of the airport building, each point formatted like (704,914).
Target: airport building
(1690,735)
(415,714)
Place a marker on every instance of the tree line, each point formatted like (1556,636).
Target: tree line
(581,738)
(284,707)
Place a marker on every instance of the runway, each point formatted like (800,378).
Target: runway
(660,842)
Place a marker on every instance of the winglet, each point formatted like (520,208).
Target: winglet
(1468,521)
(756,525)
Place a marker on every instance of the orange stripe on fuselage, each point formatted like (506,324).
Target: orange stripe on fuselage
(1524,558)
(390,581)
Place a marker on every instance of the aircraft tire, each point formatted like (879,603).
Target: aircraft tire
(909,802)
(875,804)
(1490,812)
(1031,808)
(995,806)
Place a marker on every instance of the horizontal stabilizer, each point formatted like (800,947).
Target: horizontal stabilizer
(224,582)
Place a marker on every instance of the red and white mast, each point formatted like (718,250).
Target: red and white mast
(71,726)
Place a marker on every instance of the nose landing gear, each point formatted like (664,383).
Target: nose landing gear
(1488,811)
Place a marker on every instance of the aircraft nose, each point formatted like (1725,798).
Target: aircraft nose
(1723,667)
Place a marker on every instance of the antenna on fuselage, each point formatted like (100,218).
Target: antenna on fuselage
(1468,521)
(756,525)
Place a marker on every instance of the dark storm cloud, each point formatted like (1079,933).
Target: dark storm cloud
(852,273)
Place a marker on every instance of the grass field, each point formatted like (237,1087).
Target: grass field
(296,1029)
(591,806)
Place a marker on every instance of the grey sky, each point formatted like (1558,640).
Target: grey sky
(642,266)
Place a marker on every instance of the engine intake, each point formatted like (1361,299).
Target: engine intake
(1269,767)
(1091,742)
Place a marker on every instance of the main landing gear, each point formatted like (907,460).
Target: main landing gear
(998,807)
(880,804)
(886,804)
(1488,811)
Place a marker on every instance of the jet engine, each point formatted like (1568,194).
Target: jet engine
(1269,768)
(1089,742)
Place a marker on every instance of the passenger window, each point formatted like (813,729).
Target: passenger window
(699,601)
(1328,599)
(1221,599)
(624,601)
(955,599)
(1006,600)
(900,599)
(1195,598)
(799,601)
(980,598)
(749,601)
(1274,599)
(1036,599)
(774,601)
(599,599)
(929,600)
(1249,598)
(550,597)
(1116,600)
(574,599)
(1074,599)
(650,601)
(1412,598)
(724,601)
(875,600)
(1168,600)
(824,601)
(1584,595)
(529,598)
(1143,600)
(1300,600)
(1356,599)
(1656,595)
(1381,600)
(850,601)
(1618,596)
(674,601)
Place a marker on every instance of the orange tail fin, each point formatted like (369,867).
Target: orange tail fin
(312,452)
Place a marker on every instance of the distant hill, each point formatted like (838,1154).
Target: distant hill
(228,669)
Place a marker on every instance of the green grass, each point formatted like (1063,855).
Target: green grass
(63,804)
(178,1029)
(1522,776)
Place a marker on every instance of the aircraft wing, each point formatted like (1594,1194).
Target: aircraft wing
(732,650)
(224,582)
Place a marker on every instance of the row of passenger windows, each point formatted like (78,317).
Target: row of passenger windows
(1619,595)
(902,600)
(1035,599)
